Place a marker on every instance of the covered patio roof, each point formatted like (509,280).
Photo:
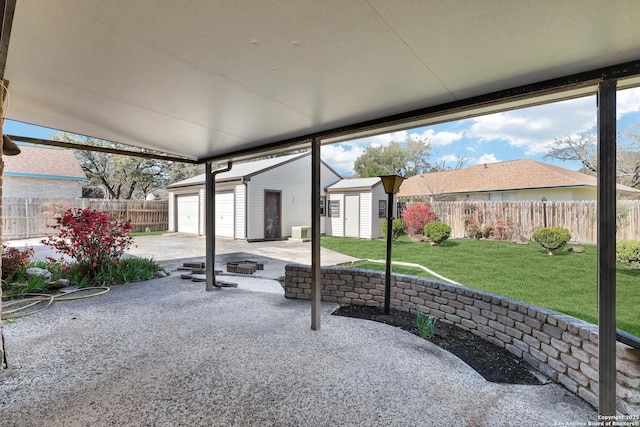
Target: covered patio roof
(223,80)
(213,79)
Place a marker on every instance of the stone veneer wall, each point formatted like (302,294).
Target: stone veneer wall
(560,346)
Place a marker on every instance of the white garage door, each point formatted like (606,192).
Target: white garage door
(188,213)
(224,214)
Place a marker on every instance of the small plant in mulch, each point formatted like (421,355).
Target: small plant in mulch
(426,325)
(552,238)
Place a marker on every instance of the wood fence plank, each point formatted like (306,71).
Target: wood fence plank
(27,217)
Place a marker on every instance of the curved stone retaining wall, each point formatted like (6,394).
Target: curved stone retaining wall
(560,346)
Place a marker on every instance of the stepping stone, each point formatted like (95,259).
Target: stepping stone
(226,284)
(186,276)
(193,264)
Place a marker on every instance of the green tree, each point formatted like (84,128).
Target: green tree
(125,177)
(178,171)
(407,159)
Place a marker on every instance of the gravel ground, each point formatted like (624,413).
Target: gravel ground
(167,353)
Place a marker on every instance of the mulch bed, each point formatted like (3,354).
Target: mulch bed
(495,364)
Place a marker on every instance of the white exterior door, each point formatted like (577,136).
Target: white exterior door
(352,216)
(188,213)
(224,214)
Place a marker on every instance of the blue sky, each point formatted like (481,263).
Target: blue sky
(518,134)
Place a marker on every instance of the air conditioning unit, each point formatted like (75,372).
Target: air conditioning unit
(301,232)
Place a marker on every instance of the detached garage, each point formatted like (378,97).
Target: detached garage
(356,208)
(258,200)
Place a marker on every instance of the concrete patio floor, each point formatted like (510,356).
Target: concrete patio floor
(172,249)
(166,353)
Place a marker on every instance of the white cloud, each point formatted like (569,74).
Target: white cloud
(379,140)
(341,156)
(627,101)
(438,138)
(534,129)
(487,158)
(447,158)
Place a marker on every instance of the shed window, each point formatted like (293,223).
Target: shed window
(382,208)
(323,203)
(334,208)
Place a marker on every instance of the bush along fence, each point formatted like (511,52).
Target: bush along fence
(24,218)
(512,219)
(560,346)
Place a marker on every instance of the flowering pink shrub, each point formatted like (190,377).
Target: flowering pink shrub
(416,216)
(13,259)
(94,239)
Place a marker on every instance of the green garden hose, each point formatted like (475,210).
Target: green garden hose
(34,299)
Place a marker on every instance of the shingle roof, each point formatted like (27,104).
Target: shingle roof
(503,176)
(351,183)
(44,162)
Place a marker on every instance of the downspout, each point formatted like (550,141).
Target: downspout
(246,208)
(210,232)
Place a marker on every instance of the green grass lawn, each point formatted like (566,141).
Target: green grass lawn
(564,282)
(147,233)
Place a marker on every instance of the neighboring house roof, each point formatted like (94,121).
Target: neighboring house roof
(44,162)
(504,176)
(245,170)
(354,184)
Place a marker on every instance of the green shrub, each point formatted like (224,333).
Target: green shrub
(426,325)
(437,232)
(552,238)
(397,228)
(628,252)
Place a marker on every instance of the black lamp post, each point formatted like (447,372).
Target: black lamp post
(391,184)
(544,211)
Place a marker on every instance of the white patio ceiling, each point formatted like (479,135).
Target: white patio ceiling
(208,78)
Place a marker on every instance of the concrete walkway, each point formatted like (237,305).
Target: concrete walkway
(172,249)
(167,353)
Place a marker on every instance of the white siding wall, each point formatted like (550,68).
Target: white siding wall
(241,211)
(294,181)
(370,224)
(201,214)
(172,212)
(337,223)
(365,215)
(378,194)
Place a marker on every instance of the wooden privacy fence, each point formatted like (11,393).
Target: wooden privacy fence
(23,218)
(523,218)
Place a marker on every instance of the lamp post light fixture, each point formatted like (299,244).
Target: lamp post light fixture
(544,211)
(391,184)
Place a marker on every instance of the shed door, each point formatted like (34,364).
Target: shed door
(272,215)
(352,216)
(225,214)
(188,213)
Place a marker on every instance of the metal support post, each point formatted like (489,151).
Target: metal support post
(210,224)
(607,247)
(316,296)
(387,273)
